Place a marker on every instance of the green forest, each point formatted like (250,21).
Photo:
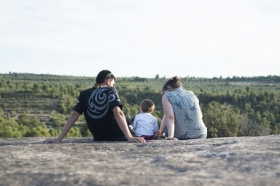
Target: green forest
(38,105)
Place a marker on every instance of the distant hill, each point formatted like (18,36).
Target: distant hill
(49,99)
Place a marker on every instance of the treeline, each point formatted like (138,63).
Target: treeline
(38,105)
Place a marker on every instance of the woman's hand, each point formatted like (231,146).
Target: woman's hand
(171,138)
(159,134)
(137,139)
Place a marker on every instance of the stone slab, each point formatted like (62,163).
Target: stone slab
(79,161)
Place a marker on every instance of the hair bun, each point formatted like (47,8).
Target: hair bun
(176,78)
(173,82)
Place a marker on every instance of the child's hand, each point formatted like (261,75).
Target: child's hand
(159,134)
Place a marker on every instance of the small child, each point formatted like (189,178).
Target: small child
(145,124)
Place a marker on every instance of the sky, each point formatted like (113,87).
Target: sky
(143,38)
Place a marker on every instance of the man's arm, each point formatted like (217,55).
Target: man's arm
(120,118)
(70,122)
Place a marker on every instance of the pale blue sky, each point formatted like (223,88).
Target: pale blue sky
(142,38)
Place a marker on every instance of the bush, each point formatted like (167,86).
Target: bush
(221,120)
(9,128)
(74,132)
(38,132)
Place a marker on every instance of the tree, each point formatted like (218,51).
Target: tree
(45,88)
(1,113)
(40,131)
(84,130)
(74,132)
(28,121)
(275,130)
(157,77)
(221,120)
(247,126)
(57,119)
(264,127)
(9,128)
(55,132)
(36,88)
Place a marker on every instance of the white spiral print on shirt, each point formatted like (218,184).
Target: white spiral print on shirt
(98,103)
(112,96)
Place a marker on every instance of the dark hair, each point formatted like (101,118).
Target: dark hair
(102,76)
(172,83)
(147,106)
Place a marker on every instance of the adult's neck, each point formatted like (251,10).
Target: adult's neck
(103,85)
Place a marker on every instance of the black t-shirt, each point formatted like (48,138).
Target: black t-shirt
(97,106)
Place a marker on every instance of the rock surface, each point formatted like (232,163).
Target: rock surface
(220,161)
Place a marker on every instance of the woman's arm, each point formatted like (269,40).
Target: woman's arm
(162,125)
(168,118)
(70,122)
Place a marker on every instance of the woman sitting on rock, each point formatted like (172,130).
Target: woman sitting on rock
(182,117)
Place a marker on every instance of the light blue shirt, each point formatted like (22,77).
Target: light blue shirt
(187,113)
(145,124)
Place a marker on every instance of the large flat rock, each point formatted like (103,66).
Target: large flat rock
(220,161)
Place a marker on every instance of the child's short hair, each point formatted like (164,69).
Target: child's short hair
(147,106)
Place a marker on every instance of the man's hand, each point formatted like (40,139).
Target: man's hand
(119,116)
(137,139)
(57,140)
(70,122)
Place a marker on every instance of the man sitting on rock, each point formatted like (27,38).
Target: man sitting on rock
(102,110)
